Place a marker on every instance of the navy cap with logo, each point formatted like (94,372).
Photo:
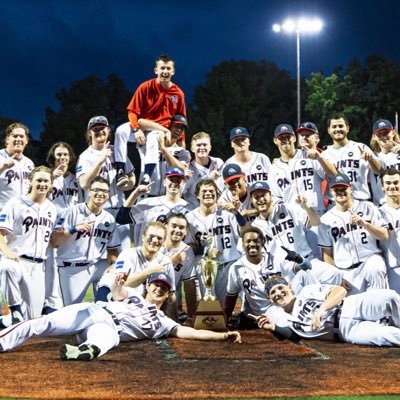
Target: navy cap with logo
(307,126)
(98,120)
(175,171)
(231,171)
(179,119)
(340,180)
(283,129)
(160,277)
(382,125)
(259,186)
(238,131)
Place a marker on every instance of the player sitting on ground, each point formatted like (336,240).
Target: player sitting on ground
(325,311)
(102,326)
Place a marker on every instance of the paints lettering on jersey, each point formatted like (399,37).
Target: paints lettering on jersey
(31,222)
(282,226)
(249,285)
(101,233)
(107,167)
(350,163)
(220,230)
(392,227)
(301,173)
(151,320)
(55,192)
(283,183)
(12,175)
(305,314)
(256,176)
(338,232)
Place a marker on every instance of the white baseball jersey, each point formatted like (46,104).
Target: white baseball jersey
(351,243)
(134,260)
(249,278)
(391,247)
(388,161)
(14,180)
(201,172)
(87,161)
(186,270)
(285,227)
(300,175)
(90,246)
(245,203)
(220,226)
(28,225)
(65,192)
(256,169)
(347,160)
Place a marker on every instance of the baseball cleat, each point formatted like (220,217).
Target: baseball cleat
(122,180)
(84,352)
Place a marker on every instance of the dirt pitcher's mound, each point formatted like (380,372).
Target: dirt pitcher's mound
(177,369)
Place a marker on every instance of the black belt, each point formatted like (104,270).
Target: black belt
(336,320)
(113,316)
(75,264)
(34,259)
(354,266)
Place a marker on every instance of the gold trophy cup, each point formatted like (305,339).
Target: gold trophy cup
(209,314)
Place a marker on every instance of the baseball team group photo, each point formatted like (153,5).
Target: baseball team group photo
(148,236)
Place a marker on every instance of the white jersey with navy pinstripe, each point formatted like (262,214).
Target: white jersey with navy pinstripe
(185,270)
(65,192)
(391,247)
(300,175)
(347,160)
(285,227)
(14,180)
(90,246)
(220,226)
(28,225)
(133,260)
(256,169)
(351,243)
(87,161)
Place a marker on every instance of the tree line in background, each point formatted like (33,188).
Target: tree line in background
(257,95)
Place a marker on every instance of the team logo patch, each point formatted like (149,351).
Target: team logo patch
(106,224)
(49,214)
(360,213)
(259,167)
(303,162)
(2,217)
(350,154)
(119,264)
(282,215)
(173,99)
(79,169)
(220,220)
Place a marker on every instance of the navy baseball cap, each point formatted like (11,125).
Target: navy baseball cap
(175,171)
(382,125)
(231,171)
(179,119)
(99,120)
(340,180)
(160,277)
(282,129)
(239,131)
(307,127)
(259,186)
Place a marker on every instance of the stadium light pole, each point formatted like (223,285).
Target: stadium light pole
(299,26)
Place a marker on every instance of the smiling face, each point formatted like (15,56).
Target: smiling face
(177,130)
(61,156)
(237,186)
(176,229)
(282,295)
(40,183)
(341,194)
(207,195)
(252,245)
(173,184)
(391,185)
(261,200)
(99,136)
(385,139)
(157,293)
(153,239)
(99,194)
(16,141)
(338,130)
(285,143)
(240,144)
(164,71)
(201,147)
(308,139)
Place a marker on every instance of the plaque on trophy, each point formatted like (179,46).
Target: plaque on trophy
(209,313)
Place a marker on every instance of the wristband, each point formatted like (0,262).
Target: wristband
(240,219)
(305,264)
(72,230)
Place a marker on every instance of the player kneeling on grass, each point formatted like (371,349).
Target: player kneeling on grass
(369,318)
(100,327)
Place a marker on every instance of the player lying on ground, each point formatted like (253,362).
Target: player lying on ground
(369,318)
(100,327)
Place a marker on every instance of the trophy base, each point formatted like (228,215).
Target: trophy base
(209,315)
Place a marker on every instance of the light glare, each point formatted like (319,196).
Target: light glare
(301,25)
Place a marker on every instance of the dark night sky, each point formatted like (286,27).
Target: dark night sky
(46,45)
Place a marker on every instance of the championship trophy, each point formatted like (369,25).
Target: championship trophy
(209,314)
